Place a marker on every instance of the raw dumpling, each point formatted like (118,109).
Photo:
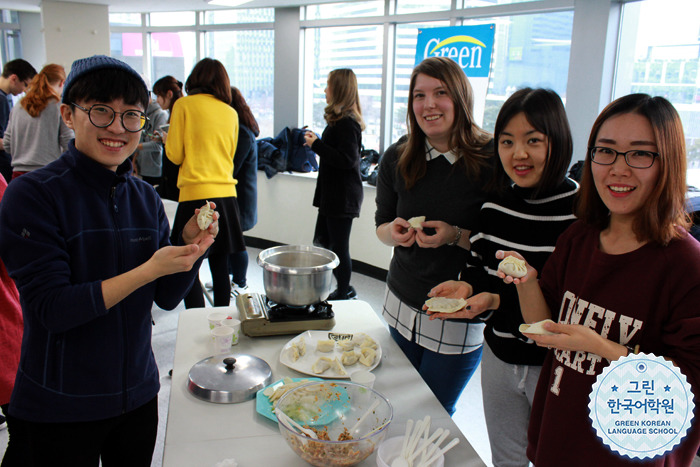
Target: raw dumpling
(415,222)
(536,328)
(338,367)
(512,266)
(445,305)
(368,342)
(298,349)
(301,345)
(325,345)
(368,356)
(346,345)
(349,358)
(294,353)
(205,216)
(321,365)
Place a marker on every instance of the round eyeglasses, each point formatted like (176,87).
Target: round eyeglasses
(102,116)
(635,158)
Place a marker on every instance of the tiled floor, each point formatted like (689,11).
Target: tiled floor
(469,416)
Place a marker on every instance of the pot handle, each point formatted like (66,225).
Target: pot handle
(229,363)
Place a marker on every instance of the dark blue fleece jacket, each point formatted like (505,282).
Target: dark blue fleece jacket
(63,230)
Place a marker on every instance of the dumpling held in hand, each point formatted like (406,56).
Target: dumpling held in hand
(445,305)
(512,266)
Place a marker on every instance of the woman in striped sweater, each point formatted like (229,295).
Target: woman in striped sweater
(534,145)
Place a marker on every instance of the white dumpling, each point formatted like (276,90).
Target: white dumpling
(512,266)
(368,342)
(368,354)
(415,222)
(294,353)
(301,345)
(445,305)
(205,217)
(536,328)
(349,358)
(325,346)
(321,365)
(346,345)
(338,367)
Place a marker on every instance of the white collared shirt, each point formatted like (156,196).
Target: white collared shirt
(432,153)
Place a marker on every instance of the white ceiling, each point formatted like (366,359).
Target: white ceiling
(121,6)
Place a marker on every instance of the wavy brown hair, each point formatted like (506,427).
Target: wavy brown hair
(468,140)
(245,115)
(344,97)
(209,77)
(40,91)
(664,215)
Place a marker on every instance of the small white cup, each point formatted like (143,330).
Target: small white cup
(222,336)
(215,319)
(363,377)
(234,324)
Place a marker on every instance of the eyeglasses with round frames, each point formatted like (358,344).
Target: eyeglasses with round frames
(102,116)
(637,159)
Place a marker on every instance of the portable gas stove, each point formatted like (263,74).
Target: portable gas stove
(262,317)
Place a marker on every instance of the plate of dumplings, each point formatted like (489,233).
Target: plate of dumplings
(326,354)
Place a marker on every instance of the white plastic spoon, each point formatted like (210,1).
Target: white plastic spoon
(289,421)
(371,408)
(425,444)
(442,451)
(428,453)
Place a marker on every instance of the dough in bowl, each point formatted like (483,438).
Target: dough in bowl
(445,305)
(536,328)
(415,222)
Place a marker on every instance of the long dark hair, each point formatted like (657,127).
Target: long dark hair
(209,77)
(664,215)
(544,110)
(468,140)
(245,115)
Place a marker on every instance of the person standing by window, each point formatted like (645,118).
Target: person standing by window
(202,140)
(338,194)
(439,171)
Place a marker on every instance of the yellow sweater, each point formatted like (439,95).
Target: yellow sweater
(202,141)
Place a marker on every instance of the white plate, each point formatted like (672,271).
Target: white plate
(305,362)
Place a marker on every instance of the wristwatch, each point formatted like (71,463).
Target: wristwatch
(457,237)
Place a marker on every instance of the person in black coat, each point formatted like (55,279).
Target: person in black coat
(338,194)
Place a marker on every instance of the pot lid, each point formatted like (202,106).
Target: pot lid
(228,379)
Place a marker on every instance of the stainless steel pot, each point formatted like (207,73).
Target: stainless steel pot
(227,379)
(297,275)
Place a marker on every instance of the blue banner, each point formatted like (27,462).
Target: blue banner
(470,46)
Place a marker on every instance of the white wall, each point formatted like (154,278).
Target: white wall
(74,30)
(33,49)
(286,215)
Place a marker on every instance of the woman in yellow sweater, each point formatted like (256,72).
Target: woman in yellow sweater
(202,141)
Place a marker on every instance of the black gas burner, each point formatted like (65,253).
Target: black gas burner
(278,312)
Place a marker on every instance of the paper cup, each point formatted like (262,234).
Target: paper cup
(363,377)
(222,336)
(234,324)
(215,319)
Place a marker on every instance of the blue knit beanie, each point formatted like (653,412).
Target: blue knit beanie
(83,66)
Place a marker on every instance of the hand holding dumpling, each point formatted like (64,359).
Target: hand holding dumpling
(192,233)
(514,268)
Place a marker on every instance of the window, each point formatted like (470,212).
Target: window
(355,47)
(660,56)
(345,10)
(172,53)
(128,47)
(173,18)
(257,15)
(248,56)
(125,19)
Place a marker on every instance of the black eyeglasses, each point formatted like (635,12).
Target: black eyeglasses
(102,116)
(635,158)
